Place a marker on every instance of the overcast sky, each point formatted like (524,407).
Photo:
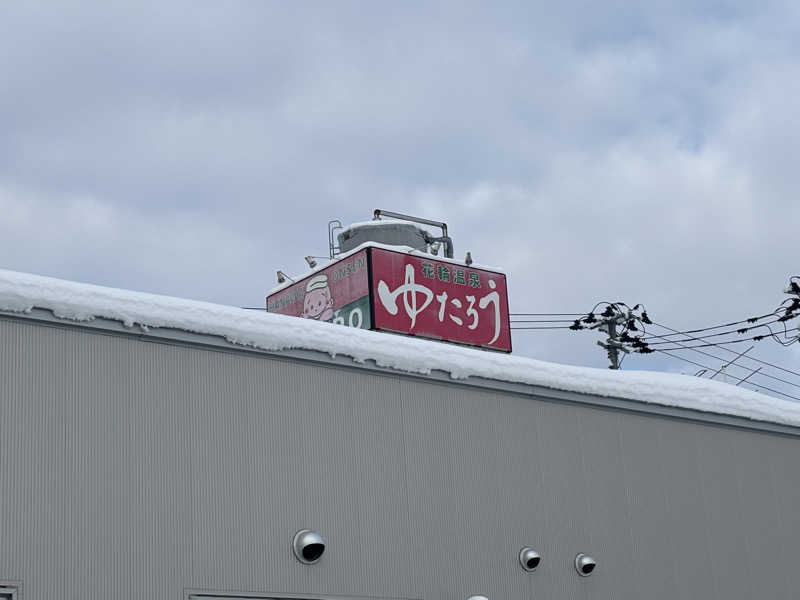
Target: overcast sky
(644,152)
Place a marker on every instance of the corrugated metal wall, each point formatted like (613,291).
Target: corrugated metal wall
(133,469)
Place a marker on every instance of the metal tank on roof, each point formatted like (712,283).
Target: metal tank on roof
(392,233)
(396,233)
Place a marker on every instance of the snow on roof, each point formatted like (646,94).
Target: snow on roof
(21,292)
(380,222)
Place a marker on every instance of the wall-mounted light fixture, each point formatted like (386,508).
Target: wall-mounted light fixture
(529,558)
(308,546)
(282,277)
(584,564)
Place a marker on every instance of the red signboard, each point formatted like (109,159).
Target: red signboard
(419,295)
(405,293)
(338,293)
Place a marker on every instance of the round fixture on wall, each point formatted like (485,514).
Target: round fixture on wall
(584,564)
(308,546)
(529,558)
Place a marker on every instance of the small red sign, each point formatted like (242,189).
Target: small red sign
(441,300)
(338,293)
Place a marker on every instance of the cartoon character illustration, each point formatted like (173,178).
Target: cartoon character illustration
(318,302)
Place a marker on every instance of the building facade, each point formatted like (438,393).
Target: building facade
(173,465)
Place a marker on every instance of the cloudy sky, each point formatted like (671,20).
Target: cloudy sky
(644,152)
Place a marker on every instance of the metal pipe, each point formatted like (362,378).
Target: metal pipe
(333,226)
(448,244)
(378,213)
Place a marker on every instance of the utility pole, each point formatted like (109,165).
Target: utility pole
(616,314)
(790,312)
(613,353)
(613,345)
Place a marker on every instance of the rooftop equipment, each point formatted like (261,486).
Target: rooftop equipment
(394,233)
(386,275)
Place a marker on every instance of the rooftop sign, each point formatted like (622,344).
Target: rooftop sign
(338,293)
(405,293)
(418,295)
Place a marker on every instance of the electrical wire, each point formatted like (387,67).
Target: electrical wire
(697,364)
(750,320)
(786,341)
(725,361)
(740,380)
(735,331)
(543,327)
(546,314)
(542,321)
(694,347)
(756,338)
(763,362)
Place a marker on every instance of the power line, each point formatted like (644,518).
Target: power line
(724,361)
(734,331)
(740,379)
(697,364)
(763,362)
(543,327)
(546,314)
(750,320)
(788,314)
(756,338)
(731,362)
(633,336)
(542,321)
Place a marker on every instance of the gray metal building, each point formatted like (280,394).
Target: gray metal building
(172,465)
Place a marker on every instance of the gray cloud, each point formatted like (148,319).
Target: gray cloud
(615,151)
